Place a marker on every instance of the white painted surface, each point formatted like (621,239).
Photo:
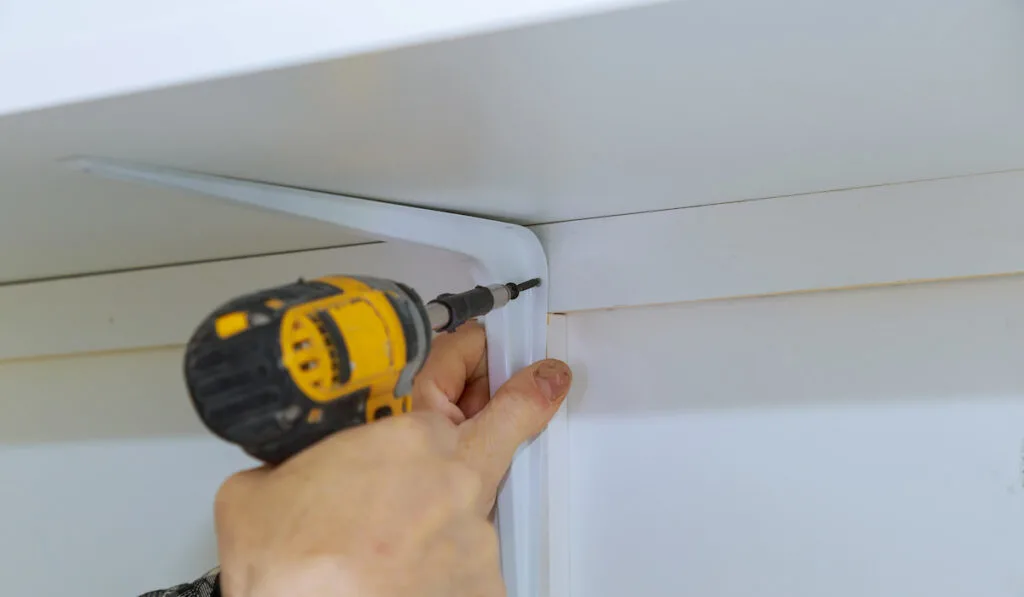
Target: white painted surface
(136,394)
(678,104)
(951,228)
(109,518)
(107,477)
(864,442)
(160,307)
(559,500)
(49,49)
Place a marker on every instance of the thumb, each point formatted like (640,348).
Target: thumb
(520,409)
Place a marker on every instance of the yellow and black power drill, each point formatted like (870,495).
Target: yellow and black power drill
(277,370)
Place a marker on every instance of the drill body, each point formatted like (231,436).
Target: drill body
(277,370)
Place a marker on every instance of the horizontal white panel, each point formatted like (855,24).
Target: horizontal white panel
(162,306)
(960,227)
(854,443)
(969,226)
(99,396)
(140,46)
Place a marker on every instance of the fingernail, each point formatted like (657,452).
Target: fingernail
(552,378)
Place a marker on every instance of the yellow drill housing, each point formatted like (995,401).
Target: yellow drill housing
(279,369)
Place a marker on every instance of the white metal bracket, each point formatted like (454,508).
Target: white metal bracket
(516,335)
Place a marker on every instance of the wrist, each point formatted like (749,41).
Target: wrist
(314,577)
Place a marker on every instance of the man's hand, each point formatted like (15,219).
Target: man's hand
(398,508)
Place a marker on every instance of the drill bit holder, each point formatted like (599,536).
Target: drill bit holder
(527,514)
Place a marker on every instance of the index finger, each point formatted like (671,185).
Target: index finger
(457,361)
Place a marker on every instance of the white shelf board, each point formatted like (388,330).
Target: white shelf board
(657,107)
(62,51)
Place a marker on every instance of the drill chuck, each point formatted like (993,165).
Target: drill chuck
(448,311)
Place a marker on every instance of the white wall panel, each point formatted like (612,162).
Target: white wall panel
(952,228)
(862,442)
(136,394)
(163,306)
(107,477)
(109,518)
(957,227)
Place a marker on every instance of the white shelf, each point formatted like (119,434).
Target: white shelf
(63,51)
(655,107)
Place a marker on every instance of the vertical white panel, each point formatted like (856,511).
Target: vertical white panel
(559,541)
(843,444)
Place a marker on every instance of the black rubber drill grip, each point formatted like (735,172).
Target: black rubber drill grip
(465,306)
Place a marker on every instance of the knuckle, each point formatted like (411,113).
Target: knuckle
(422,430)
(472,327)
(231,486)
(413,429)
(485,541)
(230,492)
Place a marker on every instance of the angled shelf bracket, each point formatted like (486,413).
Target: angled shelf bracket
(516,335)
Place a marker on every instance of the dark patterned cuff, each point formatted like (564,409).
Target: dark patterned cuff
(206,586)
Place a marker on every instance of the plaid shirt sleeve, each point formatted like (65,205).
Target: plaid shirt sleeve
(206,586)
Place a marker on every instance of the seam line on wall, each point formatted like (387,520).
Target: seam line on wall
(822,290)
(26,281)
(109,352)
(142,268)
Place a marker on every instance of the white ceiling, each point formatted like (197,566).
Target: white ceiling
(673,105)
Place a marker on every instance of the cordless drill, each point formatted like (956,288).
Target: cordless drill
(279,369)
